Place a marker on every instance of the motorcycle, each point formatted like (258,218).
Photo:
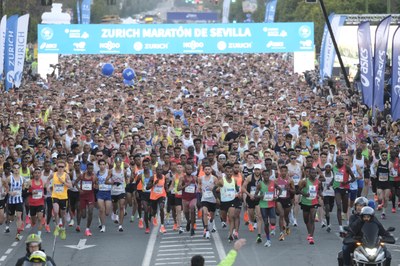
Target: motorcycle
(370,248)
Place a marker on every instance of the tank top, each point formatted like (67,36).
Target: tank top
(37,197)
(117,178)
(395,170)
(207,189)
(295,173)
(354,184)
(189,192)
(325,191)
(239,180)
(16,186)
(137,171)
(341,177)
(361,164)
(86,184)
(247,171)
(74,177)
(283,184)
(312,189)
(145,180)
(268,194)
(178,194)
(228,191)
(2,190)
(59,189)
(382,172)
(158,190)
(252,185)
(101,179)
(44,177)
(27,175)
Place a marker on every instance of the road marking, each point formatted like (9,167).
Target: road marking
(14,244)
(150,246)
(3,258)
(8,251)
(81,245)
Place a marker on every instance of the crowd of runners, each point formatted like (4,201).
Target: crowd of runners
(240,141)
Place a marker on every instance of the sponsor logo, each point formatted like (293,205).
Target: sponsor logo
(192,16)
(150,46)
(109,45)
(305,31)
(275,32)
(79,46)
(76,34)
(364,67)
(221,45)
(193,45)
(138,46)
(275,45)
(48,46)
(47,33)
(240,45)
(307,44)
(397,87)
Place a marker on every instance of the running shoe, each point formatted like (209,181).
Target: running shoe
(192,232)
(287,231)
(7,229)
(87,232)
(258,240)
(207,234)
(267,243)
(230,239)
(214,229)
(251,227)
(199,214)
(132,218)
(162,229)
(295,222)
(272,232)
(155,222)
(281,236)
(195,226)
(71,223)
(255,226)
(246,218)
(56,231)
(103,229)
(116,221)
(175,227)
(187,227)
(311,240)
(383,216)
(236,235)
(141,223)
(328,229)
(47,228)
(78,228)
(120,229)
(63,234)
(223,224)
(147,230)
(393,210)
(180,230)
(18,237)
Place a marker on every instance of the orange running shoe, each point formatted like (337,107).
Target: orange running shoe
(175,228)
(147,230)
(246,217)
(162,229)
(251,228)
(195,226)
(199,214)
(141,223)
(155,222)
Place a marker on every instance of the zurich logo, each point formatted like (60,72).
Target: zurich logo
(305,31)
(47,33)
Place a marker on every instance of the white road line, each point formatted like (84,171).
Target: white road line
(219,246)
(8,251)
(185,258)
(180,237)
(172,250)
(150,247)
(189,240)
(168,263)
(190,244)
(3,258)
(14,244)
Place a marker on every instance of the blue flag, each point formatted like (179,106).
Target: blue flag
(270,10)
(9,54)
(366,63)
(78,12)
(396,75)
(381,43)
(86,11)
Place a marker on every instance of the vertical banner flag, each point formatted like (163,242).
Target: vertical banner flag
(86,11)
(9,55)
(366,62)
(78,11)
(20,50)
(225,11)
(3,25)
(381,43)
(328,53)
(270,11)
(322,52)
(396,75)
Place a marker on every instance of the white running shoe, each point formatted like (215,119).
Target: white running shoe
(267,243)
(273,232)
(103,229)
(208,234)
(71,223)
(113,216)
(255,226)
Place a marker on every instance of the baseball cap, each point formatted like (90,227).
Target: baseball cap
(221,156)
(225,125)
(303,114)
(257,166)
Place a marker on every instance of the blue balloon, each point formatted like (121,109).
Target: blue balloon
(128,74)
(129,82)
(371,204)
(107,69)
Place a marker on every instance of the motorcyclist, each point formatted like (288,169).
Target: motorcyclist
(38,258)
(33,243)
(367,215)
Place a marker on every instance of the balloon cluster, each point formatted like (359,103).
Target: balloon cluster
(128,74)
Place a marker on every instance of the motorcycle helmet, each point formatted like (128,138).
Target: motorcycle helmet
(371,204)
(33,238)
(38,258)
(367,211)
(361,201)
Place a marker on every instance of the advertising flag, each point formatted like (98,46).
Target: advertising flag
(328,52)
(86,11)
(9,55)
(225,11)
(20,51)
(270,11)
(78,12)
(366,62)
(396,75)
(381,43)
(3,25)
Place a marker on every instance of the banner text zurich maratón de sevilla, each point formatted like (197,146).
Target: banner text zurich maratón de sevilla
(176,38)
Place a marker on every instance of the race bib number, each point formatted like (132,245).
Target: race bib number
(283,192)
(208,194)
(312,190)
(158,189)
(296,179)
(38,194)
(383,177)
(394,173)
(86,185)
(269,196)
(59,188)
(190,189)
(118,189)
(339,177)
(104,187)
(252,191)
(230,193)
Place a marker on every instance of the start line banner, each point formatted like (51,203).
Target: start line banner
(175,38)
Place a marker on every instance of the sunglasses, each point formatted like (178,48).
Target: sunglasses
(60,166)
(293,158)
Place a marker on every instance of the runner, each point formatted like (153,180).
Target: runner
(158,193)
(86,185)
(267,192)
(187,184)
(15,200)
(73,194)
(4,189)
(118,180)
(176,197)
(61,183)
(143,178)
(36,188)
(328,194)
(295,171)
(310,190)
(47,178)
(103,179)
(284,202)
(208,200)
(383,168)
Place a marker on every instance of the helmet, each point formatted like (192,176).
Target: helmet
(33,238)
(38,256)
(371,204)
(361,201)
(367,211)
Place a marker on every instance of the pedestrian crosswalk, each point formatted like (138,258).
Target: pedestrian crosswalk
(173,248)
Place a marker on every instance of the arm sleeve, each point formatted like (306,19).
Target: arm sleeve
(229,260)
